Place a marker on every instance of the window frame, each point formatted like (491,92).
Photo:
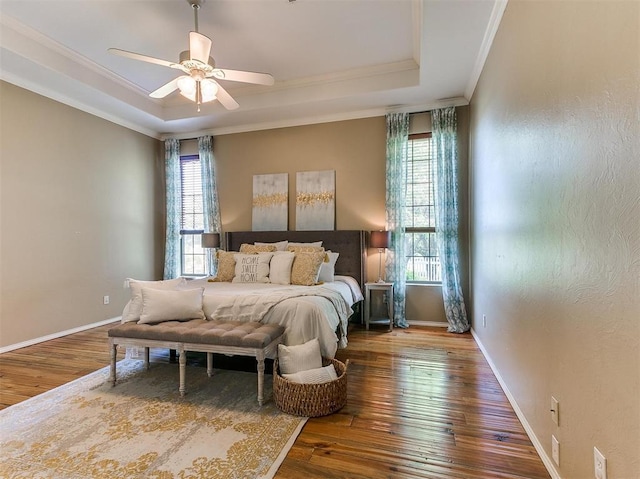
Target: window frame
(411,230)
(185,232)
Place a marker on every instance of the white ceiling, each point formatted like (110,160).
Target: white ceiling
(331,59)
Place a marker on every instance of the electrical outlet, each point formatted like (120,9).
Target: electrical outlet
(555,450)
(105,299)
(484,320)
(599,464)
(555,411)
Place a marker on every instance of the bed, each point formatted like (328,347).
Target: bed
(319,311)
(311,314)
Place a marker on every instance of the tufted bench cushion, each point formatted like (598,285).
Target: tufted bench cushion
(226,337)
(201,331)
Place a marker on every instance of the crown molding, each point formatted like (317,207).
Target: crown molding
(351,115)
(489,34)
(49,46)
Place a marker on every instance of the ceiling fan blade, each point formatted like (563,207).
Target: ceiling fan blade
(144,58)
(242,76)
(199,47)
(227,100)
(164,90)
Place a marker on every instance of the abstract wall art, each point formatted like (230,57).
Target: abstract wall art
(270,202)
(315,200)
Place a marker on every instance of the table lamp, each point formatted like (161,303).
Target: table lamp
(212,241)
(381,240)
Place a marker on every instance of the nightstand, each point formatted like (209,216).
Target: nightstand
(387,288)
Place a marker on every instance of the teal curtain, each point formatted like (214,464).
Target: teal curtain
(444,134)
(209,196)
(173,208)
(396,262)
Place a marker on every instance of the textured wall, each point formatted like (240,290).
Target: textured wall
(81,209)
(555,162)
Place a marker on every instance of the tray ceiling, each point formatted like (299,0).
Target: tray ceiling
(331,59)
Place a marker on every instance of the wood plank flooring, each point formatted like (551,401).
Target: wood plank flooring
(422,403)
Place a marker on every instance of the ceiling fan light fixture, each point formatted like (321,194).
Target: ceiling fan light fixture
(209,90)
(198,66)
(187,86)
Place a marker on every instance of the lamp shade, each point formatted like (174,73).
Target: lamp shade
(210,240)
(380,239)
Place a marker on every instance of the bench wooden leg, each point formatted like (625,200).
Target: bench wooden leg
(260,359)
(147,365)
(113,354)
(209,364)
(183,368)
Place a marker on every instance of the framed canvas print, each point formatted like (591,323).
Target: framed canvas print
(270,210)
(315,200)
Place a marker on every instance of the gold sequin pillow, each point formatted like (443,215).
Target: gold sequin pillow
(247,248)
(226,266)
(306,268)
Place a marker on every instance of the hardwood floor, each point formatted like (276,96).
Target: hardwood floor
(422,403)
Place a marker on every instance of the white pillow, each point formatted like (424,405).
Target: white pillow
(280,245)
(160,305)
(252,268)
(315,243)
(313,376)
(328,269)
(132,311)
(301,357)
(280,267)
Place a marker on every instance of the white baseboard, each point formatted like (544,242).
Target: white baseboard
(42,339)
(547,461)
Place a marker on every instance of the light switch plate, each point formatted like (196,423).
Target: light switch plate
(555,411)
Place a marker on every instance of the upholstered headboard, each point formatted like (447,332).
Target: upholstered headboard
(351,244)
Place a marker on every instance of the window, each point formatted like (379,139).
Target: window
(192,218)
(423,263)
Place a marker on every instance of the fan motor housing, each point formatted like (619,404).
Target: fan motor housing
(186,61)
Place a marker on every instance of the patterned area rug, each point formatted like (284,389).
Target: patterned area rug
(142,428)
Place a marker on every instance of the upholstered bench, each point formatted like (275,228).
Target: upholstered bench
(224,337)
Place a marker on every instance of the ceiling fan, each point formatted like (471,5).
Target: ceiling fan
(199,84)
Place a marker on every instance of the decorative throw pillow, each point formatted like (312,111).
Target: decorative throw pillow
(160,305)
(280,267)
(226,266)
(252,268)
(133,309)
(306,268)
(301,357)
(253,249)
(280,245)
(328,268)
(313,376)
(304,249)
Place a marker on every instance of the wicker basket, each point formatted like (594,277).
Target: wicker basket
(311,400)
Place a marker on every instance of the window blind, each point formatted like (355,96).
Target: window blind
(192,218)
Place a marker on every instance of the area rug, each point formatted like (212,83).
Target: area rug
(143,428)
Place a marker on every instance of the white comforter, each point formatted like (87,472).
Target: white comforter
(307,312)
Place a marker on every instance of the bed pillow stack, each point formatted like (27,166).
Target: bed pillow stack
(158,301)
(303,364)
(284,262)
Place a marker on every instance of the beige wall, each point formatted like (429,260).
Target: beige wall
(81,209)
(555,162)
(355,149)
